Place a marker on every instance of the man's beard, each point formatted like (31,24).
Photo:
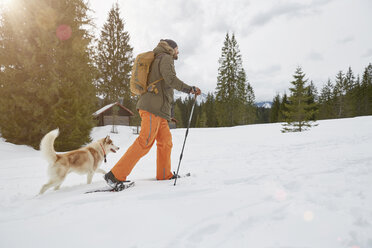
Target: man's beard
(175,56)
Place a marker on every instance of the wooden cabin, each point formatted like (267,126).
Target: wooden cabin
(105,115)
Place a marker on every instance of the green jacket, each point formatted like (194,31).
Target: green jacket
(160,104)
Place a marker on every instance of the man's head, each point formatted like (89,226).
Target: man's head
(173,45)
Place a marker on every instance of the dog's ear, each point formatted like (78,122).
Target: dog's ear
(107,139)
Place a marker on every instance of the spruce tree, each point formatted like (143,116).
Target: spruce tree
(232,91)
(350,86)
(250,112)
(275,107)
(343,86)
(209,107)
(262,115)
(46,72)
(366,91)
(114,60)
(369,92)
(338,93)
(326,101)
(201,118)
(283,108)
(182,111)
(312,93)
(299,111)
(356,98)
(178,113)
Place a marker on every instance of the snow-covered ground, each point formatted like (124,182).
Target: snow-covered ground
(251,186)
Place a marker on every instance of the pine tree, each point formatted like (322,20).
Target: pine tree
(350,85)
(366,91)
(209,107)
(299,110)
(250,107)
(114,60)
(178,113)
(275,107)
(231,91)
(262,115)
(46,72)
(356,98)
(183,111)
(369,92)
(312,93)
(338,93)
(343,86)
(283,108)
(326,101)
(201,118)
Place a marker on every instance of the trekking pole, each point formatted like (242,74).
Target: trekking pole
(187,132)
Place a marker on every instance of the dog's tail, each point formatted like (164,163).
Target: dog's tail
(47,146)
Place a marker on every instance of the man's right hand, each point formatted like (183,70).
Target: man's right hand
(195,90)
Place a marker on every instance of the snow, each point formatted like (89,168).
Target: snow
(251,186)
(267,105)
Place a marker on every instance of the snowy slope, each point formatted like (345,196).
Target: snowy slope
(251,186)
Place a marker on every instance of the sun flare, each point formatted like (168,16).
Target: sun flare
(5,2)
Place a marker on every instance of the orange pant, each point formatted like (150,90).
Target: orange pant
(152,128)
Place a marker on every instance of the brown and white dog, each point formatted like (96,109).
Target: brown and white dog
(85,160)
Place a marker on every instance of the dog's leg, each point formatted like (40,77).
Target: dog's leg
(90,177)
(101,171)
(60,180)
(59,183)
(46,186)
(56,182)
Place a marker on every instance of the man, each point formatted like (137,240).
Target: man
(155,111)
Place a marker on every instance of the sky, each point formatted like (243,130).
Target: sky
(274,37)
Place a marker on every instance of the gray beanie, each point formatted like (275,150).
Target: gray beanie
(171,43)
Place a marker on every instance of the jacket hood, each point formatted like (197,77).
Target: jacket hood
(163,47)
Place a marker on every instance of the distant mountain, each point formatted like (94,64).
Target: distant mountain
(265,104)
(183,96)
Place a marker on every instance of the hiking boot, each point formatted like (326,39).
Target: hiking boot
(111,180)
(174,176)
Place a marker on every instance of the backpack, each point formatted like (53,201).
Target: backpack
(140,71)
